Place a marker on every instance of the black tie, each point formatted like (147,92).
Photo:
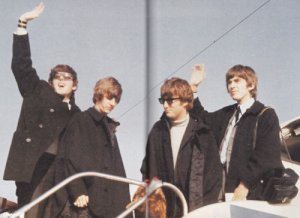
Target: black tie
(237,113)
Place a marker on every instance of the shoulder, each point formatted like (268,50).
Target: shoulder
(227,109)
(198,124)
(158,129)
(262,110)
(79,117)
(266,116)
(159,125)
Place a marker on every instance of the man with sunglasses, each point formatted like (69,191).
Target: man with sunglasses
(46,109)
(181,150)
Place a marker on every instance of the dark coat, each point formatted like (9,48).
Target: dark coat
(89,144)
(246,164)
(43,115)
(198,168)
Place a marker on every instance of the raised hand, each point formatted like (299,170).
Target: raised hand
(30,15)
(198,75)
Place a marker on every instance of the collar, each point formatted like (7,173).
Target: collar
(96,115)
(182,122)
(193,120)
(245,106)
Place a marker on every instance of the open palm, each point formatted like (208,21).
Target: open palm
(30,15)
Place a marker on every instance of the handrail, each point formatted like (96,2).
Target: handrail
(151,188)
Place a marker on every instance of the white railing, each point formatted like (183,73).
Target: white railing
(155,184)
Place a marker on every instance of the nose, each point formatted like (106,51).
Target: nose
(165,104)
(231,85)
(61,78)
(113,102)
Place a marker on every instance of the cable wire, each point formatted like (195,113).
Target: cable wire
(197,54)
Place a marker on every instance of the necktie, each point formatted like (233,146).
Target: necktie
(237,114)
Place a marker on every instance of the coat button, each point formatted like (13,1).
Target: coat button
(41,125)
(51,110)
(28,140)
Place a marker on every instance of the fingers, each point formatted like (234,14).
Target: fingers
(199,67)
(39,9)
(33,13)
(240,193)
(82,201)
(198,75)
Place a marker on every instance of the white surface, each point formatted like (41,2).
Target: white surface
(259,208)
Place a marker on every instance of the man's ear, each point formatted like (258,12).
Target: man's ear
(74,88)
(185,104)
(250,87)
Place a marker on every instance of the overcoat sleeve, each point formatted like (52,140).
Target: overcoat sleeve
(25,75)
(148,168)
(71,146)
(209,118)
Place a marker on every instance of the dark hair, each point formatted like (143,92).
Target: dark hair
(178,87)
(246,73)
(62,68)
(109,87)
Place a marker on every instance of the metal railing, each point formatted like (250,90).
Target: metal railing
(155,184)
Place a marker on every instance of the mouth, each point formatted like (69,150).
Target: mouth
(109,108)
(61,85)
(232,92)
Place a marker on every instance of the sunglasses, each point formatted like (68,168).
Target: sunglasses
(168,100)
(63,76)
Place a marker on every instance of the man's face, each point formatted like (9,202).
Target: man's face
(106,105)
(63,84)
(174,108)
(239,90)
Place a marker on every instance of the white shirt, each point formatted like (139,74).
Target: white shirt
(230,131)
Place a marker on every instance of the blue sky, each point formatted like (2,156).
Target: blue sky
(100,38)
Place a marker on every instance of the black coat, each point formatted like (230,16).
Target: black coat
(198,168)
(43,115)
(89,144)
(246,164)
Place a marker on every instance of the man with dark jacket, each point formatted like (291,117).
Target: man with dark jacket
(243,163)
(90,144)
(46,109)
(181,150)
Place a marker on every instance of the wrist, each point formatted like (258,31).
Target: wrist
(22,19)
(194,88)
(22,23)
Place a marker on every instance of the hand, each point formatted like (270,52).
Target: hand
(30,15)
(82,201)
(240,192)
(198,76)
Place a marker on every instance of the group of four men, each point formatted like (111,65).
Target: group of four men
(204,154)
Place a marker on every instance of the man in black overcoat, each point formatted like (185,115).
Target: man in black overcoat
(90,144)
(46,109)
(181,150)
(244,160)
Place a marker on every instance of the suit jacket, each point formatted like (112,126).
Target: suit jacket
(246,164)
(42,119)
